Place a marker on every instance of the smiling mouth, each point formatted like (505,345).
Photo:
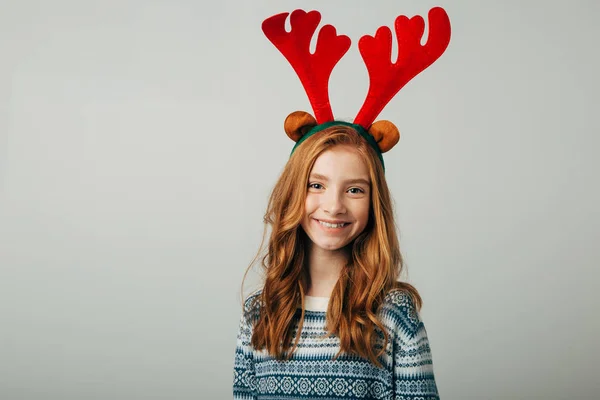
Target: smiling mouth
(332,226)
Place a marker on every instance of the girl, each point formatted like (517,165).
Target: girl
(332,319)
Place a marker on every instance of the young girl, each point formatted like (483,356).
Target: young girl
(332,319)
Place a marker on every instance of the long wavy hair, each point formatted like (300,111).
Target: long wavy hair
(373,269)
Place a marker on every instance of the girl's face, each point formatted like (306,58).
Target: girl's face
(338,191)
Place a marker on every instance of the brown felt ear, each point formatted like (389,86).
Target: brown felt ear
(298,123)
(386,134)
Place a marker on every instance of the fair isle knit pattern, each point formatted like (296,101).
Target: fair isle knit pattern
(406,372)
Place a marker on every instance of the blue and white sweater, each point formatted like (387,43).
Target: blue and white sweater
(406,374)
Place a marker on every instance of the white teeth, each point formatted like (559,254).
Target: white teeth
(327,224)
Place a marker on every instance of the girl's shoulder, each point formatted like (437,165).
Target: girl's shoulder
(400,310)
(252,304)
(399,298)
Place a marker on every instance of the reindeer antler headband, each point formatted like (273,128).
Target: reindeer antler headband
(386,78)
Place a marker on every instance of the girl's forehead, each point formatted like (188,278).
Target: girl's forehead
(340,166)
(337,158)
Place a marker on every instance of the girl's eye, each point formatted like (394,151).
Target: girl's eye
(359,190)
(312,185)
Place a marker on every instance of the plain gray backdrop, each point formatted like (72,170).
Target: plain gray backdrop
(139,141)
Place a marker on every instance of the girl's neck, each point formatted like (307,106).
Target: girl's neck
(324,268)
(319,292)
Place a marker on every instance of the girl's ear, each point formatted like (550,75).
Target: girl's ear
(298,123)
(386,134)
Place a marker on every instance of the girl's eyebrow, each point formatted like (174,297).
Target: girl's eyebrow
(358,180)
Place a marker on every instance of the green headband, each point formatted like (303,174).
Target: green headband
(362,131)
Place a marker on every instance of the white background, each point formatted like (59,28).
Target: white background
(139,141)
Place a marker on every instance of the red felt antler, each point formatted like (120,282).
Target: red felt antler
(315,69)
(387,78)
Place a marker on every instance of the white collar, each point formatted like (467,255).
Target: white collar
(313,303)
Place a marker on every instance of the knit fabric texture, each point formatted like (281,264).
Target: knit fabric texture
(406,372)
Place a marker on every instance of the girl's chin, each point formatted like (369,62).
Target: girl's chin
(330,247)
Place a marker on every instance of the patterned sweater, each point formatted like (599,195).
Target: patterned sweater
(406,374)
